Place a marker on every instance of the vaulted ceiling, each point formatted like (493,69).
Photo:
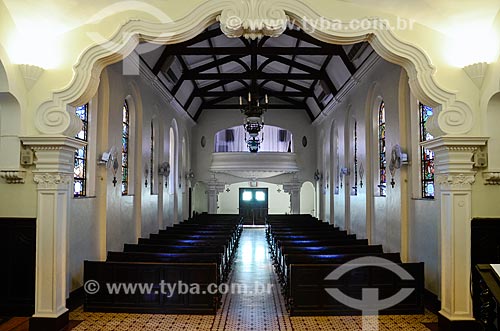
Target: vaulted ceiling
(296,71)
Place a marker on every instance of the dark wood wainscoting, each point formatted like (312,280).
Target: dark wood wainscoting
(17,256)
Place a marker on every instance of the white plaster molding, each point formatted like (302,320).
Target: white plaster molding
(456,181)
(454,165)
(53,153)
(456,117)
(491,177)
(31,74)
(13,176)
(48,180)
(253,19)
(476,72)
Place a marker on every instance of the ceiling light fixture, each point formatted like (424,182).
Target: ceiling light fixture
(254,121)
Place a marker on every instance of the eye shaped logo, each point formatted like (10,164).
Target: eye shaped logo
(370,303)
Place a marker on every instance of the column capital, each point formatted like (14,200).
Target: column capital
(53,153)
(291,187)
(215,186)
(453,160)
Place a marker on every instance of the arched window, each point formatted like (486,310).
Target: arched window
(172,159)
(80,170)
(382,151)
(125,147)
(152,159)
(426,156)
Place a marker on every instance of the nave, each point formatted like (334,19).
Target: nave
(246,311)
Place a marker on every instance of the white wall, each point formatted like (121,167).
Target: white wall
(278,202)
(105,220)
(355,212)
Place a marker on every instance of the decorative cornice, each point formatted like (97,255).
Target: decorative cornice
(491,178)
(13,176)
(455,143)
(253,19)
(50,180)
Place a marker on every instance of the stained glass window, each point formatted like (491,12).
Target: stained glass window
(426,156)
(125,147)
(151,159)
(355,133)
(80,170)
(382,151)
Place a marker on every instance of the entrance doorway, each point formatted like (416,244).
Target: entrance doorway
(253,205)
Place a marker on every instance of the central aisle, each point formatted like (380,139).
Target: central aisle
(254,302)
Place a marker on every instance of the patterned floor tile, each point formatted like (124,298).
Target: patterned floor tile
(252,307)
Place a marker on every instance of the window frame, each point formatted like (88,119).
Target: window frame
(422,121)
(382,149)
(84,159)
(125,178)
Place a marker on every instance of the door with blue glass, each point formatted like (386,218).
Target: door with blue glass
(253,205)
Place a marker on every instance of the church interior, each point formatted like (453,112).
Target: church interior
(313,153)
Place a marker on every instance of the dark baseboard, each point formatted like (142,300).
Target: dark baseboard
(447,325)
(75,299)
(431,302)
(49,324)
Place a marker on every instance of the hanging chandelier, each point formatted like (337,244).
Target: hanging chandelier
(254,121)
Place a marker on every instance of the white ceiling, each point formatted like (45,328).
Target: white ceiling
(447,16)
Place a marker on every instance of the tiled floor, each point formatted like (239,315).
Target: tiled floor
(254,310)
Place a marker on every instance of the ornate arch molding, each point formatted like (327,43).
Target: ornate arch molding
(252,18)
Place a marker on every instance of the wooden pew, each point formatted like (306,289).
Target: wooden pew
(198,251)
(289,259)
(171,249)
(170,258)
(307,293)
(151,273)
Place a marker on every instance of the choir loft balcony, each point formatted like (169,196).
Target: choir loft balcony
(254,165)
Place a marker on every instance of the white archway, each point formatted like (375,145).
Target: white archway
(455,117)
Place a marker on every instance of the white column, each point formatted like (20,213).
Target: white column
(214,188)
(294,189)
(54,176)
(455,177)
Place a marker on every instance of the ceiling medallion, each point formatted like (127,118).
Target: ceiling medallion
(253,19)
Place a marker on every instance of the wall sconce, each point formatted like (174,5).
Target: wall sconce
(31,74)
(146,175)
(164,170)
(110,160)
(190,174)
(361,174)
(476,72)
(398,158)
(317,175)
